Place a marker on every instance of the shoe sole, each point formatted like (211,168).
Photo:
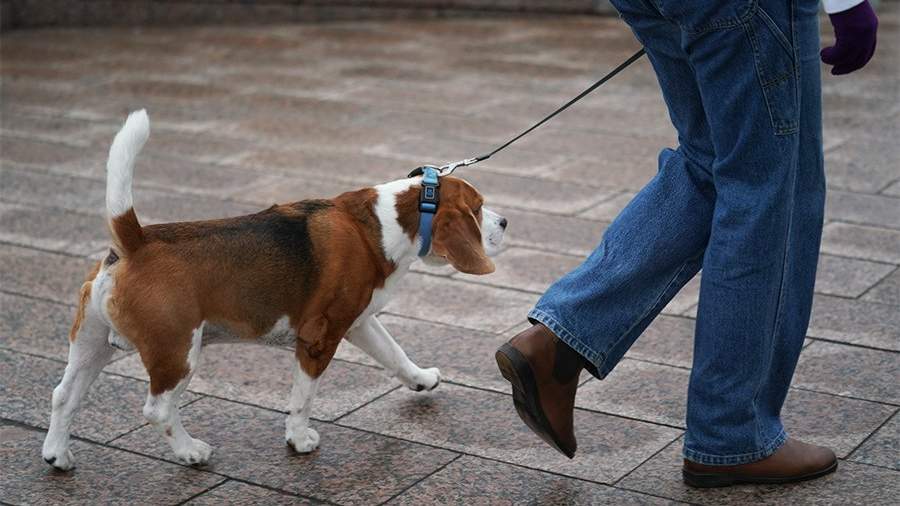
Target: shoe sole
(518,372)
(713,480)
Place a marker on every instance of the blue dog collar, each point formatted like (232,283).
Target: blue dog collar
(429,198)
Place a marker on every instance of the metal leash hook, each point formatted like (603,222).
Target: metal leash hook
(446,170)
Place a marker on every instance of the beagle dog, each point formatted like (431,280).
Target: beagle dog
(307,274)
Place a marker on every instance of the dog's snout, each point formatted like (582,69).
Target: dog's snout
(503,223)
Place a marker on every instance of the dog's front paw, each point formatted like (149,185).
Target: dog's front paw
(196,453)
(424,379)
(61,459)
(303,441)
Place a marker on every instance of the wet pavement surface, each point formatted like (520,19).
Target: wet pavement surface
(243,117)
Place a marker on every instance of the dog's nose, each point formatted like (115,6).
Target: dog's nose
(503,223)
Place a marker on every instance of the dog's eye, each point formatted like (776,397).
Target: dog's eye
(477,211)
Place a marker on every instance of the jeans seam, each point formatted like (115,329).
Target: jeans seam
(781,127)
(784,266)
(776,31)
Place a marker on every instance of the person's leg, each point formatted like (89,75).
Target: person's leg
(759,264)
(655,245)
(647,254)
(806,228)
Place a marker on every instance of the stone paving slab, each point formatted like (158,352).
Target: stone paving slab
(848,277)
(893,190)
(350,466)
(485,424)
(323,164)
(87,195)
(864,165)
(59,278)
(168,172)
(535,194)
(867,243)
(527,270)
(872,210)
(236,492)
(856,322)
(280,190)
(609,209)
(111,408)
(52,229)
(36,187)
(22,125)
(658,394)
(883,448)
(606,171)
(552,233)
(462,304)
(261,375)
(102,475)
(34,326)
(851,484)
(35,153)
(849,371)
(668,340)
(887,291)
(470,480)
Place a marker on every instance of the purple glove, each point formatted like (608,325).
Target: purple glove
(854,33)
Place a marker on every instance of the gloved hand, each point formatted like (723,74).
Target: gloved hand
(854,33)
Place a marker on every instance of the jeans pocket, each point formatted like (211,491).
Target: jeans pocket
(776,67)
(698,16)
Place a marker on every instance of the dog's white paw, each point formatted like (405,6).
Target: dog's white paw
(304,442)
(424,379)
(195,453)
(59,458)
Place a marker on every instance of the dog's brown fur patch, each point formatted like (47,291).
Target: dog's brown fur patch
(126,231)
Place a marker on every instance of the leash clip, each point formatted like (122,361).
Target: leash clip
(446,170)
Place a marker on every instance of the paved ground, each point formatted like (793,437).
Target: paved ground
(243,117)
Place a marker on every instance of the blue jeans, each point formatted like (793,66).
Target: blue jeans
(741,197)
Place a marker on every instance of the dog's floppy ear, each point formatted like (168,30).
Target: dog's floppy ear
(457,237)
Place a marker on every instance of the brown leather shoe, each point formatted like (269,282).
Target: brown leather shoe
(794,461)
(544,375)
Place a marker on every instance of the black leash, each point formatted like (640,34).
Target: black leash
(450,167)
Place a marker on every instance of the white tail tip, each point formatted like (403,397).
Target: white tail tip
(120,165)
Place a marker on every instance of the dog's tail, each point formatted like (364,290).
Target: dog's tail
(123,223)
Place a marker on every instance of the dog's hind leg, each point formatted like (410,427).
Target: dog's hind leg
(170,373)
(371,337)
(89,352)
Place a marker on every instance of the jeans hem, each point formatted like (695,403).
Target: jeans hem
(567,337)
(734,460)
